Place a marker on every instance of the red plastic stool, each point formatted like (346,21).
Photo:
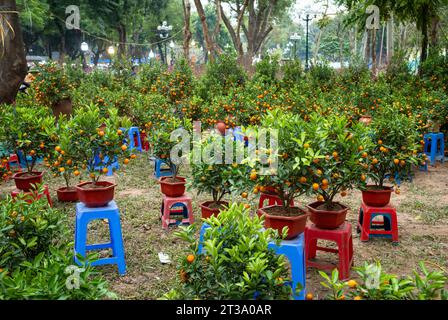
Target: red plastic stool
(273,200)
(342,236)
(14,161)
(370,228)
(31,196)
(168,203)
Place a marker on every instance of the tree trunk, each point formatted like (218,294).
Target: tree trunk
(13,67)
(374,67)
(121,29)
(425,40)
(434,33)
(187,31)
(368,46)
(382,46)
(390,39)
(207,37)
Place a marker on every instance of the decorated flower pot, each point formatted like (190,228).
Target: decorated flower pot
(173,187)
(376,196)
(277,218)
(94,196)
(212,208)
(327,218)
(67,194)
(26,181)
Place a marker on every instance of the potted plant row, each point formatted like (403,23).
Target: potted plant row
(321,156)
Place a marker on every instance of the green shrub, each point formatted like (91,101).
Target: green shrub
(292,72)
(266,70)
(237,264)
(27,230)
(375,284)
(49,276)
(221,75)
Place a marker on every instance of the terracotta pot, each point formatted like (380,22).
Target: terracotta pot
(221,126)
(24,181)
(365,120)
(172,189)
(96,197)
(296,224)
(67,194)
(207,212)
(325,219)
(377,197)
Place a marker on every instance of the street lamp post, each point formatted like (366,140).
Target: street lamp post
(164,30)
(295,37)
(307,20)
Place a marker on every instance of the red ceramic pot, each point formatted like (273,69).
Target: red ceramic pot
(67,194)
(173,189)
(221,126)
(375,197)
(96,196)
(296,224)
(25,181)
(207,212)
(326,219)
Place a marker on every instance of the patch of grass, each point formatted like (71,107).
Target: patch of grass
(429,213)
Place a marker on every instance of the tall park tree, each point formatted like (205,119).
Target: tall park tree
(256,21)
(13,67)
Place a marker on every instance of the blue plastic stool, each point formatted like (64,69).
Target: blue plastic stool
(159,171)
(28,159)
(432,149)
(131,132)
(294,250)
(99,166)
(204,228)
(84,216)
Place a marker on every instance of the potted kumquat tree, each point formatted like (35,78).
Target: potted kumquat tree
(217,176)
(397,148)
(291,178)
(344,145)
(31,133)
(96,138)
(163,144)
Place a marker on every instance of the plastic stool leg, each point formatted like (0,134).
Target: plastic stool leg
(166,215)
(201,238)
(117,244)
(344,258)
(80,239)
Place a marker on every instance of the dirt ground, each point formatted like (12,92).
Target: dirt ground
(422,218)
